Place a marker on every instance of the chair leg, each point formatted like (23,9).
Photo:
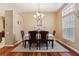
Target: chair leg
(36,45)
(24,44)
(47,46)
(29,46)
(39,46)
(52,44)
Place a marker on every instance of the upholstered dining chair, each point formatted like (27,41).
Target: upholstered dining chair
(43,38)
(2,34)
(33,38)
(54,32)
(22,34)
(0,37)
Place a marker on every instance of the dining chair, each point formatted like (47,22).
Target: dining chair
(43,38)
(22,34)
(54,32)
(0,36)
(3,33)
(33,38)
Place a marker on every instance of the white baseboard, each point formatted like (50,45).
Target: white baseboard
(69,46)
(17,42)
(13,44)
(2,43)
(8,45)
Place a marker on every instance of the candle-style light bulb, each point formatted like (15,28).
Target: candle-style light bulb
(38,14)
(34,16)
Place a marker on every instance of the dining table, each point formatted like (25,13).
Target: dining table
(51,38)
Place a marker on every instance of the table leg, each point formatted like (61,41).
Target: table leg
(52,43)
(24,44)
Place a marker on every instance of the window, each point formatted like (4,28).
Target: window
(68,22)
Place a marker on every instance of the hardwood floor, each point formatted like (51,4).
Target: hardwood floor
(6,51)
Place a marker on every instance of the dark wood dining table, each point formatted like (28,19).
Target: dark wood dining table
(50,39)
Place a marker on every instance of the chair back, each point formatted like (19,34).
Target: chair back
(44,35)
(22,34)
(32,35)
(0,36)
(54,32)
(3,33)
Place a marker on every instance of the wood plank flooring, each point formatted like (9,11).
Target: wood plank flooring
(6,51)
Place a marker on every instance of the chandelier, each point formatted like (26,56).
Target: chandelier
(38,15)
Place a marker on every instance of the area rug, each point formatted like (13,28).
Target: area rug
(57,48)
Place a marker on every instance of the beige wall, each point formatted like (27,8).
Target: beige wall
(12,28)
(1,29)
(48,21)
(9,40)
(1,24)
(58,26)
(17,26)
(74,44)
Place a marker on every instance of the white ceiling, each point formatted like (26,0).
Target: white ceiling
(32,7)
